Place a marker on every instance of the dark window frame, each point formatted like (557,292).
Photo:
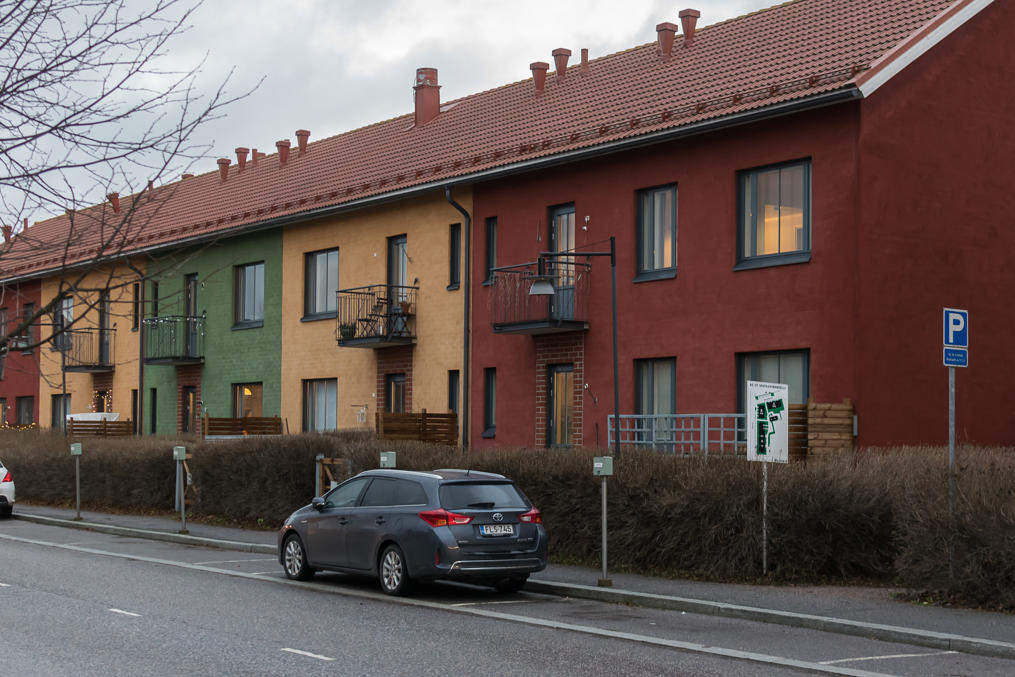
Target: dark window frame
(19,409)
(552,370)
(747,184)
(64,406)
(310,274)
(153,399)
(155,299)
(240,275)
(235,390)
(135,316)
(454,256)
(305,388)
(390,382)
(489,402)
(643,272)
(639,364)
(742,376)
(454,386)
(491,249)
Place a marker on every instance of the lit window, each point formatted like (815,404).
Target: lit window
(775,222)
(246,399)
(657,229)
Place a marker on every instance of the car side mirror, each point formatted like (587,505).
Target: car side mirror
(317,503)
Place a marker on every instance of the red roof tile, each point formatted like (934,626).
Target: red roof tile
(783,53)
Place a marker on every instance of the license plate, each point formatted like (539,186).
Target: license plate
(497,530)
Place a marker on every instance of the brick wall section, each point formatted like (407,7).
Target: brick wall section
(394,361)
(552,350)
(189,375)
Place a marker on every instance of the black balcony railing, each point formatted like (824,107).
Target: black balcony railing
(514,310)
(376,316)
(87,350)
(173,339)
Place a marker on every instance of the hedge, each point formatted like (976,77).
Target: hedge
(882,515)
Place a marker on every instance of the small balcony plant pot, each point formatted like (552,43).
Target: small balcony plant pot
(347,331)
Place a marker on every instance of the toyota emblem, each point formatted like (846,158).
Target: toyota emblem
(498,517)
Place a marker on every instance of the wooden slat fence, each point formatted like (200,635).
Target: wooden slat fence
(829,428)
(250,425)
(100,428)
(797,432)
(439,428)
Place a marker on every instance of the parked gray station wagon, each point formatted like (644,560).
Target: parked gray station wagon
(404,526)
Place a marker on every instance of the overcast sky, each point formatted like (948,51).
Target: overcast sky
(334,65)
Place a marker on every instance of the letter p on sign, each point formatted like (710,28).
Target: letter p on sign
(956,328)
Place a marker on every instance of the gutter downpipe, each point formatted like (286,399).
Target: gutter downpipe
(467,289)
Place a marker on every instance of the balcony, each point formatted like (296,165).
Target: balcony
(174,339)
(514,311)
(86,350)
(377,316)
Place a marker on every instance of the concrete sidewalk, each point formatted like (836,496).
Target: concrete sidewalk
(863,611)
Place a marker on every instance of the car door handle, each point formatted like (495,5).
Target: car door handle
(343,521)
(380,520)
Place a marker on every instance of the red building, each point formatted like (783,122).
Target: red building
(795,194)
(19,363)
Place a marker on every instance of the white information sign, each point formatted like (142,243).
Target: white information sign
(767,422)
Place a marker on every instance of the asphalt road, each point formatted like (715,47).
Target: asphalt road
(80,603)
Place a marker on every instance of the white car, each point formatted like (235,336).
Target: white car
(6,492)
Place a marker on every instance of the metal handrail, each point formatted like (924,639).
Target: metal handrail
(380,311)
(87,347)
(174,337)
(684,434)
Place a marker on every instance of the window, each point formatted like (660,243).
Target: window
(455,256)
(3,411)
(655,397)
(152,418)
(490,402)
(491,248)
(248,302)
(3,322)
(155,299)
(381,492)
(246,399)
(394,393)
(26,337)
(453,385)
(133,410)
(320,404)
(188,410)
(657,232)
(135,314)
(561,406)
(791,367)
(345,495)
(25,410)
(60,408)
(320,296)
(102,400)
(63,315)
(775,215)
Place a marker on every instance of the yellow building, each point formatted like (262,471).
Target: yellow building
(91,364)
(391,338)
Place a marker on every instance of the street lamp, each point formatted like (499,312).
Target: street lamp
(543,286)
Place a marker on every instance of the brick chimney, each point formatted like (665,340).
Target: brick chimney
(302,136)
(688,19)
(241,157)
(283,151)
(224,168)
(7,232)
(114,199)
(585,61)
(427,95)
(560,57)
(539,69)
(664,36)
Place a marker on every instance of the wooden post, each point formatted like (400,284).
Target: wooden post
(422,427)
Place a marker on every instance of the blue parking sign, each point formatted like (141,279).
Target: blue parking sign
(956,328)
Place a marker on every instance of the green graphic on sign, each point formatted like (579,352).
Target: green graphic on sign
(767,413)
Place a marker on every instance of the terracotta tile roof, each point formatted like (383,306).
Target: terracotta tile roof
(791,51)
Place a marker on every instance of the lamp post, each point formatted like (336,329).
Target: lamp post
(542,286)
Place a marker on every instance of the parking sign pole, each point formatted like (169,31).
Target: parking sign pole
(77,487)
(605,577)
(951,466)
(764,517)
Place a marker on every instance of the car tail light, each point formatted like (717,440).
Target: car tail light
(7,477)
(532,517)
(443,518)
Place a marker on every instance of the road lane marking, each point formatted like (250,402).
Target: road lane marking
(503,601)
(690,647)
(308,654)
(881,658)
(238,561)
(264,573)
(5,585)
(125,613)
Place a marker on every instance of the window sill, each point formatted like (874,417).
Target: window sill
(453,287)
(314,317)
(249,324)
(489,433)
(773,260)
(488,282)
(651,275)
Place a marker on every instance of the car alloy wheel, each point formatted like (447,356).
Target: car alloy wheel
(392,571)
(294,560)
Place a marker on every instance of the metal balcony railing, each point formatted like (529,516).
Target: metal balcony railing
(173,339)
(88,349)
(514,310)
(684,434)
(376,316)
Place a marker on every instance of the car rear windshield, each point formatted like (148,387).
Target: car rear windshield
(481,495)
